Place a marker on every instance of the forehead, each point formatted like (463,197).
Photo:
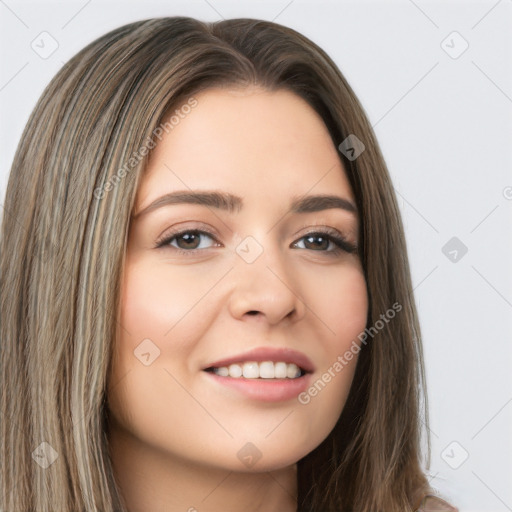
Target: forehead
(252,142)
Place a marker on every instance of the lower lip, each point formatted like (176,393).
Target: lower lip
(271,390)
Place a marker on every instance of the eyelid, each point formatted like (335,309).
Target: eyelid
(184,226)
(198,225)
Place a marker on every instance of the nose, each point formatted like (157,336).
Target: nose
(266,288)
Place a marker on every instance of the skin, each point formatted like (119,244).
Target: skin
(175,434)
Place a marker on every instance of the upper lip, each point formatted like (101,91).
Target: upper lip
(259,354)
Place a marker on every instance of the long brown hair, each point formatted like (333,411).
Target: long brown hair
(64,231)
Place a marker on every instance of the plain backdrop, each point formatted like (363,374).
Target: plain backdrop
(435,79)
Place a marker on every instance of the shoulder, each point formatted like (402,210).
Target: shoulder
(431,503)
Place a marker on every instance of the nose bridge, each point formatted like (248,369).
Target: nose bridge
(263,280)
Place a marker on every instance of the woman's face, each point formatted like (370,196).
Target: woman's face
(260,279)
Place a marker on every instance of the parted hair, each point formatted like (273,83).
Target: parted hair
(63,238)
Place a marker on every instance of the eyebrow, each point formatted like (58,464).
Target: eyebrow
(233,203)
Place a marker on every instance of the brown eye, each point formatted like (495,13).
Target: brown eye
(190,240)
(186,241)
(323,244)
(325,238)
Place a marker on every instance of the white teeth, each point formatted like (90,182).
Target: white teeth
(263,370)
(250,370)
(224,371)
(234,370)
(291,371)
(267,370)
(280,370)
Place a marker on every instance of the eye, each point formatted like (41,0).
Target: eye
(328,237)
(187,240)
(328,240)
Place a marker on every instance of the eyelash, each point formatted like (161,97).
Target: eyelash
(340,242)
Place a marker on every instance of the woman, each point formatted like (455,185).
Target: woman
(279,367)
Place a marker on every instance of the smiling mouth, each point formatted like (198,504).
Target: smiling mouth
(265,370)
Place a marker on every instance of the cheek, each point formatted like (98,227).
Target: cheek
(348,309)
(342,305)
(158,324)
(152,312)
(156,303)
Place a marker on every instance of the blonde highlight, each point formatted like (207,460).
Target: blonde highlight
(62,254)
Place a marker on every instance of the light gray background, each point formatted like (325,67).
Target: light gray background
(444,125)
